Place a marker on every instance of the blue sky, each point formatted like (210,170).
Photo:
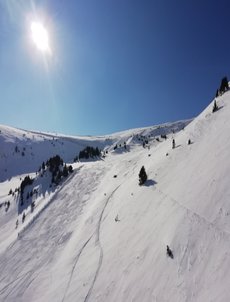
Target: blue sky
(115,64)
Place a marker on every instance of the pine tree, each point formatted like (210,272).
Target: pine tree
(142,176)
(215,107)
(97,152)
(23,217)
(169,252)
(58,177)
(65,171)
(224,85)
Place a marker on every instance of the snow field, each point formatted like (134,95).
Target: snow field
(75,250)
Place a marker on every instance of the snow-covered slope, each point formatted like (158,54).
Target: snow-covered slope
(73,248)
(23,151)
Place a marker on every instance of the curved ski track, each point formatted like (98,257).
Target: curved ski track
(97,242)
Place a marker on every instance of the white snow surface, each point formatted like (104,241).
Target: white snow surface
(71,248)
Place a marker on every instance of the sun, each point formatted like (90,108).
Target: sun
(40,36)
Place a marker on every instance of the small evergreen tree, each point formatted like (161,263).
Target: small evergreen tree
(23,217)
(97,152)
(65,171)
(224,85)
(58,177)
(215,107)
(32,206)
(142,176)
(169,252)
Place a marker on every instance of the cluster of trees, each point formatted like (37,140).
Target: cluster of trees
(145,139)
(53,164)
(11,192)
(164,136)
(88,152)
(223,87)
(142,137)
(27,181)
(6,204)
(145,142)
(57,168)
(16,149)
(120,145)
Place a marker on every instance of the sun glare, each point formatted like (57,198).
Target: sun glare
(40,36)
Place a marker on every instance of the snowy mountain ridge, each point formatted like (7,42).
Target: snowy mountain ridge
(26,150)
(99,236)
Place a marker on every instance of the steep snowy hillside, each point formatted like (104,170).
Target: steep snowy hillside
(99,236)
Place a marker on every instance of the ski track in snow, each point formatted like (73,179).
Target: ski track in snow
(98,242)
(73,268)
(18,273)
(20,284)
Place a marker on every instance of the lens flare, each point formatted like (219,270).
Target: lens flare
(40,36)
